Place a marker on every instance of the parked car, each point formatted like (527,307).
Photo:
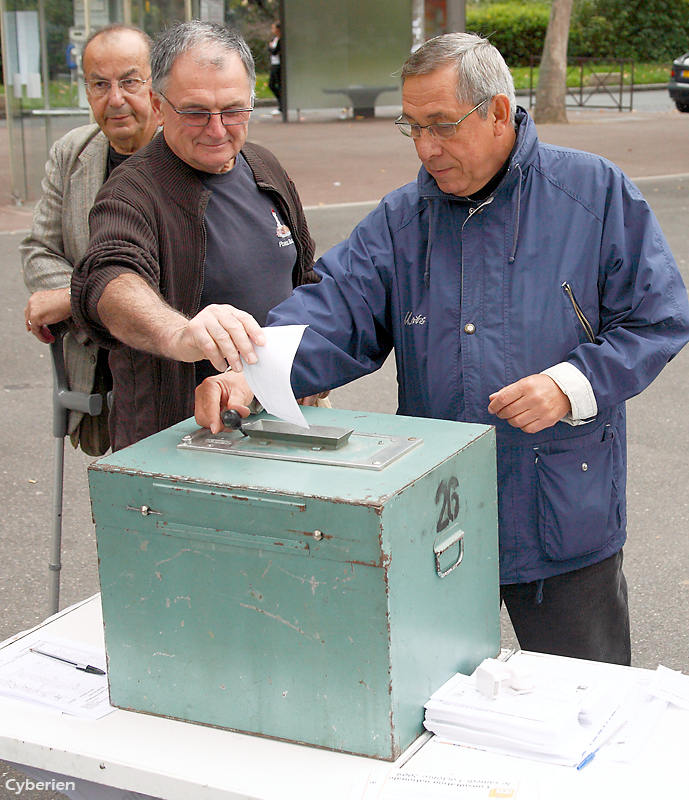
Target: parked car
(679,82)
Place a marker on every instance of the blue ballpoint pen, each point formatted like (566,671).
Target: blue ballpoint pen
(589,758)
(83,667)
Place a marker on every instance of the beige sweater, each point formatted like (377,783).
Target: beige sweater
(60,234)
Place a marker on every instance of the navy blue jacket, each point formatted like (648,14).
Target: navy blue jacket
(563,229)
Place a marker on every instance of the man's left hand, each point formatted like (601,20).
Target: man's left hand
(532,404)
(220,392)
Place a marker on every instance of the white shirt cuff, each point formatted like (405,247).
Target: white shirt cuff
(579,392)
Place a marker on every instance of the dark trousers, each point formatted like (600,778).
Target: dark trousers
(581,614)
(275,84)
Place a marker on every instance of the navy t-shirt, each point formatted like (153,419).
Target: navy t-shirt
(250,251)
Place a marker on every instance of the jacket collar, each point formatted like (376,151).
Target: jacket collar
(182,182)
(522,155)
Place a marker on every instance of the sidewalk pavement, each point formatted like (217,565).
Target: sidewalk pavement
(334,161)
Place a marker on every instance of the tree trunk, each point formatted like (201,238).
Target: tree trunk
(552,76)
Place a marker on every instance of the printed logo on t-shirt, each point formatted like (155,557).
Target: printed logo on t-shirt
(282,230)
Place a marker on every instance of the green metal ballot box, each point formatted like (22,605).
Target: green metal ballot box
(315,586)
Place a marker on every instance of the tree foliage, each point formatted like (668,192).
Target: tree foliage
(516,29)
(640,30)
(252,18)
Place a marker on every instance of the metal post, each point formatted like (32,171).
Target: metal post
(45,75)
(455,16)
(87,18)
(44,54)
(418,24)
(631,89)
(283,63)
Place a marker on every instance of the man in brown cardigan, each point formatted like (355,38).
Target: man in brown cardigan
(196,223)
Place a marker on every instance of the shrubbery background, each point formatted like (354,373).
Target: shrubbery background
(640,30)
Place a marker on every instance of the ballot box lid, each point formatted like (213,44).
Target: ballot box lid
(311,470)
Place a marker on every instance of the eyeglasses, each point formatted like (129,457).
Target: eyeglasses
(438,130)
(199,119)
(99,87)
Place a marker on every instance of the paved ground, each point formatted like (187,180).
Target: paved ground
(336,161)
(340,166)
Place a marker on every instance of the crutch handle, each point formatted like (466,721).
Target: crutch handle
(65,400)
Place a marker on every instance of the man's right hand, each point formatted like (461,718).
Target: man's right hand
(138,316)
(218,393)
(220,333)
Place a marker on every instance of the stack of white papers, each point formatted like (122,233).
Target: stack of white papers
(565,719)
(47,681)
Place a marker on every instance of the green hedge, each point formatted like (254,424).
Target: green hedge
(641,30)
(517,30)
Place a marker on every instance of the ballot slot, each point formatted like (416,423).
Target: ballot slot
(325,445)
(313,436)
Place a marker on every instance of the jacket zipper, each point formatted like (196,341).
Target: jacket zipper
(472,211)
(580,314)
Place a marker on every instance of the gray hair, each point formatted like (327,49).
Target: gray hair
(481,70)
(206,38)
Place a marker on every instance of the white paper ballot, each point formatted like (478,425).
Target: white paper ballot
(435,785)
(671,685)
(413,786)
(269,377)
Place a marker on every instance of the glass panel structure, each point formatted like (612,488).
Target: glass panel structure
(33,60)
(41,47)
(354,43)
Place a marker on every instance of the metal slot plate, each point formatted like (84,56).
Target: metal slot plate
(361,451)
(315,436)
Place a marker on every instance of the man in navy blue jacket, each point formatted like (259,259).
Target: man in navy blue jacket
(519,284)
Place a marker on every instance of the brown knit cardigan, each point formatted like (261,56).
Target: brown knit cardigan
(148,219)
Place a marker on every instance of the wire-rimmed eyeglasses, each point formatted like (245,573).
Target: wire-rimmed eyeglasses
(438,130)
(99,87)
(199,119)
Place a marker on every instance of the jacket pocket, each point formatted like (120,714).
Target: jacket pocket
(578,504)
(585,324)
